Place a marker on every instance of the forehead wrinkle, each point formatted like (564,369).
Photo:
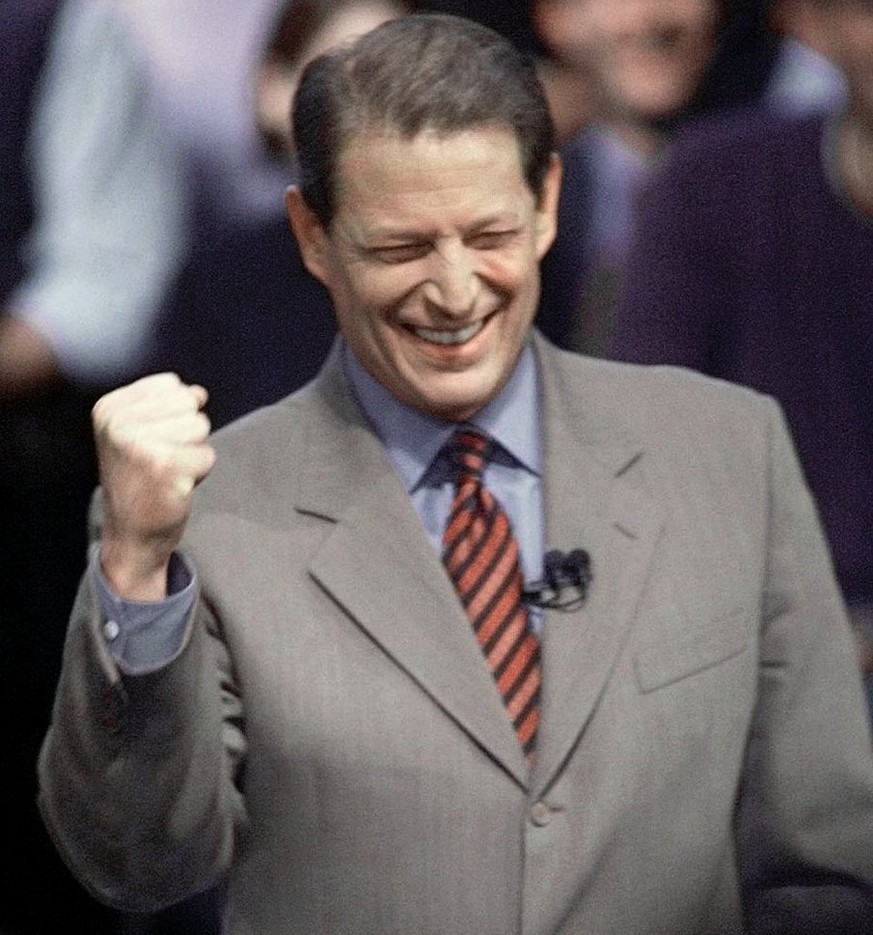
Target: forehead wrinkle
(388,191)
(356,154)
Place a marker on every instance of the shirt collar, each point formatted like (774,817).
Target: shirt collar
(413,439)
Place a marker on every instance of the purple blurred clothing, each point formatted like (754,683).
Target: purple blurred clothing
(751,266)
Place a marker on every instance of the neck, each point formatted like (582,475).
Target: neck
(855,162)
(645,139)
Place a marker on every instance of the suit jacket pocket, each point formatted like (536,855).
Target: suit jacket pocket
(660,665)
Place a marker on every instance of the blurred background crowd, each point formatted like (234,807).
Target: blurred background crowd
(717,213)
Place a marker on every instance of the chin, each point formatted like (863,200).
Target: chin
(453,407)
(661,97)
(653,110)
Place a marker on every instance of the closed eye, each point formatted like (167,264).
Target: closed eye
(491,239)
(400,253)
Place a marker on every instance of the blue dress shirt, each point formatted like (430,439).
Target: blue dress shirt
(415,441)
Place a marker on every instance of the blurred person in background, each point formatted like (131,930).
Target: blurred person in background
(302,30)
(91,225)
(753,262)
(652,67)
(206,58)
(201,54)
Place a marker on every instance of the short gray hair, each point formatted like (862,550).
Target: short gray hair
(420,72)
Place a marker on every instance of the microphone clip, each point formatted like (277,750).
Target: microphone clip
(564,586)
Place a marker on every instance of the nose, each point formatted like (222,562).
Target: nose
(452,284)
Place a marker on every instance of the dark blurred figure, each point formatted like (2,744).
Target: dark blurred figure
(511,18)
(245,318)
(653,66)
(89,224)
(753,261)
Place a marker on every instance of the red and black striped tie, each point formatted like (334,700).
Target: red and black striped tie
(480,553)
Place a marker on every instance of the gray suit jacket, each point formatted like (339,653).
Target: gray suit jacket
(330,740)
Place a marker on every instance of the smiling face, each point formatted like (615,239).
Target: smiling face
(432,261)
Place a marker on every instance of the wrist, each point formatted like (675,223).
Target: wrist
(134,571)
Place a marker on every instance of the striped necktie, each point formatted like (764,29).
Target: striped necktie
(480,553)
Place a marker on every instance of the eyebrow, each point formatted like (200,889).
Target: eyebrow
(402,234)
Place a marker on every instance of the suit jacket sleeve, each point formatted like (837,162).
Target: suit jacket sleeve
(170,741)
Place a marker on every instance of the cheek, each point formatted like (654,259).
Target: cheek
(512,271)
(500,277)
(382,288)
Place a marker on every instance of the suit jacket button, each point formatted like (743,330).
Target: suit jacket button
(540,814)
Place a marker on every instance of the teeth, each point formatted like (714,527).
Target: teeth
(450,337)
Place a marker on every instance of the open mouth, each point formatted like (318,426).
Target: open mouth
(451,336)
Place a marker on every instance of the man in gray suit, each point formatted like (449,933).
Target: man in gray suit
(327,676)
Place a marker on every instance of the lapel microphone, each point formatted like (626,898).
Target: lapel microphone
(564,586)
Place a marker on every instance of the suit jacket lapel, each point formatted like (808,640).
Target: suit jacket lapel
(380,568)
(590,505)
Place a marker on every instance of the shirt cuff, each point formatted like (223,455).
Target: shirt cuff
(144,636)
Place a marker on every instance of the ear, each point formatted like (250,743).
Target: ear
(311,237)
(547,206)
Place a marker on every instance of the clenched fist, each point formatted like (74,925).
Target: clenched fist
(153,449)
